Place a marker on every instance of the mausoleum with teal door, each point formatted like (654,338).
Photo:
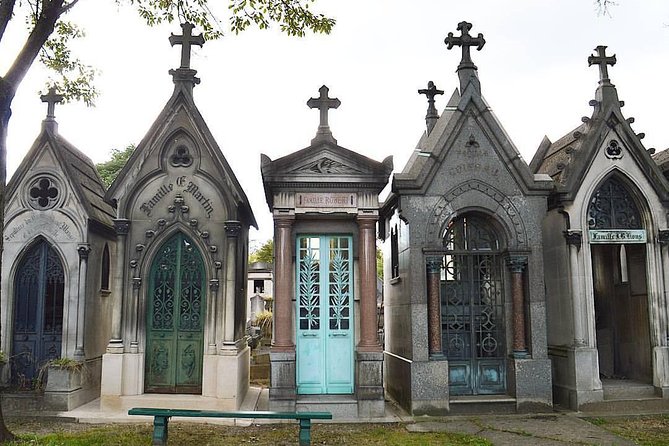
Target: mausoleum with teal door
(326,349)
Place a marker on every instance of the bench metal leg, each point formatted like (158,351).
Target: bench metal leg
(160,430)
(305,432)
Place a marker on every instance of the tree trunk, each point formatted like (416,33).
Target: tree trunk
(6,97)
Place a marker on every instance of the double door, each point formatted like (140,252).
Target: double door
(324,310)
(175,319)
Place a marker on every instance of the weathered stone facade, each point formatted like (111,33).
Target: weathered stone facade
(464,287)
(324,200)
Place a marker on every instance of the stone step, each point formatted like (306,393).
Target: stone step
(340,406)
(630,406)
(22,402)
(165,401)
(627,390)
(482,404)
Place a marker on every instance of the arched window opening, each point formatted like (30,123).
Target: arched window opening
(104,275)
(613,207)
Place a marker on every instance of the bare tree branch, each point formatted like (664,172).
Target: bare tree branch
(44,26)
(68,6)
(6,13)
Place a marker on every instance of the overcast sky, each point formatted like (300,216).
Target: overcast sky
(533,71)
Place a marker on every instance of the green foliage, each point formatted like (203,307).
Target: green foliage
(74,79)
(263,254)
(109,170)
(379,263)
(264,321)
(3,358)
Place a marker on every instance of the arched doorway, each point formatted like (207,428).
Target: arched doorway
(472,307)
(618,250)
(38,313)
(175,318)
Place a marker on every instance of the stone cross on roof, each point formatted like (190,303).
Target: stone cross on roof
(324,104)
(465,41)
(602,60)
(51,99)
(186,40)
(432,115)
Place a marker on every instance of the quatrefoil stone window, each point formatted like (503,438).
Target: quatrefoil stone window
(43,194)
(181,157)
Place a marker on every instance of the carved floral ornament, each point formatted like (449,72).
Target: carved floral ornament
(614,150)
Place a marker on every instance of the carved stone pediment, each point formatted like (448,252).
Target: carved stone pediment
(327,165)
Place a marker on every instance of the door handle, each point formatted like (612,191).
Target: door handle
(338,335)
(309,335)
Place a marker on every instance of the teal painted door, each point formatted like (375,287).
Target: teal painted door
(175,318)
(324,314)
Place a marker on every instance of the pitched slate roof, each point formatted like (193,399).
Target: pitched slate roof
(79,170)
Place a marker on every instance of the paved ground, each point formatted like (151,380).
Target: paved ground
(520,430)
(559,428)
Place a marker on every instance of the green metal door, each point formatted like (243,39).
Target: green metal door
(324,314)
(175,316)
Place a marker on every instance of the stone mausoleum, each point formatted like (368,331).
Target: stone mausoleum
(324,200)
(465,309)
(507,286)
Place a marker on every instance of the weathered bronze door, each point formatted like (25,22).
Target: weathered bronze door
(472,308)
(175,317)
(38,314)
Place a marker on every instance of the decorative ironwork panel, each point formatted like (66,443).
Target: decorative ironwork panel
(175,330)
(472,306)
(339,284)
(309,284)
(192,280)
(613,207)
(38,315)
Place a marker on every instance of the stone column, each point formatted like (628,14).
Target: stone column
(516,265)
(134,315)
(367,266)
(283,284)
(83,250)
(122,226)
(434,306)
(574,240)
(214,286)
(663,240)
(232,230)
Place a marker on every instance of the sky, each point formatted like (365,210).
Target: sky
(533,70)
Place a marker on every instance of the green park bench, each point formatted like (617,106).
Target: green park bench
(162,418)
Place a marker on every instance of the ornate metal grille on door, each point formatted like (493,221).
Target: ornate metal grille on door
(175,304)
(38,314)
(472,308)
(324,314)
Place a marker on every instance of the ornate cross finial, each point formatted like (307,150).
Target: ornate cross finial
(431,117)
(602,60)
(186,40)
(51,99)
(324,104)
(465,41)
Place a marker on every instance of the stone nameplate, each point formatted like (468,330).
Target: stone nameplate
(325,200)
(617,236)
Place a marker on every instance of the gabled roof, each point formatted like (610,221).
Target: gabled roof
(182,99)
(433,147)
(568,160)
(77,167)
(324,164)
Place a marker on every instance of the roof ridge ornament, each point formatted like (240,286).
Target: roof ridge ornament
(51,99)
(466,70)
(465,41)
(323,103)
(187,39)
(432,115)
(602,60)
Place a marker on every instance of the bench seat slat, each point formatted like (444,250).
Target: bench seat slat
(239,414)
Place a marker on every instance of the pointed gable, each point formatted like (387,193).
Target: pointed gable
(76,168)
(180,131)
(607,132)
